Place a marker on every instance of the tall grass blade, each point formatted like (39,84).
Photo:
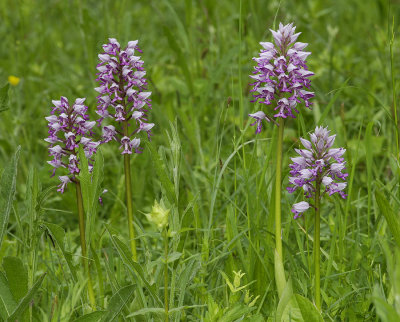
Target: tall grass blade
(7,190)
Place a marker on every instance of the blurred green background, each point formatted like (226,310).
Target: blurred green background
(198,55)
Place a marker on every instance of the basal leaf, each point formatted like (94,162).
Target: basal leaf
(24,302)
(17,276)
(7,302)
(58,235)
(118,301)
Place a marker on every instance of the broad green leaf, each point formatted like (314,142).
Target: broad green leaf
(17,276)
(284,300)
(24,302)
(296,308)
(58,235)
(118,301)
(91,317)
(4,98)
(392,219)
(7,191)
(279,273)
(7,302)
(307,309)
(135,268)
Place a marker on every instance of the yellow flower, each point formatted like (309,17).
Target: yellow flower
(159,215)
(13,80)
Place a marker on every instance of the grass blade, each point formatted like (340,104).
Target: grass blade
(7,190)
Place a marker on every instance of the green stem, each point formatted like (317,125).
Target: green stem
(166,273)
(279,270)
(317,248)
(81,215)
(394,92)
(128,189)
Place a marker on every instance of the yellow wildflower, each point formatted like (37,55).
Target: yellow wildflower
(13,80)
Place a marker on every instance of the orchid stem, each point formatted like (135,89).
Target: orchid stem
(81,215)
(279,269)
(128,189)
(317,248)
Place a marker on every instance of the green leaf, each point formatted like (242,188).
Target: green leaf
(294,307)
(91,317)
(17,276)
(7,191)
(90,185)
(236,312)
(172,257)
(161,173)
(392,219)
(307,309)
(279,273)
(368,151)
(284,300)
(133,267)
(4,97)
(58,235)
(84,178)
(24,303)
(384,310)
(156,310)
(7,302)
(118,301)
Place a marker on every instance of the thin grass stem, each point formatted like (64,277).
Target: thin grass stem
(166,273)
(392,72)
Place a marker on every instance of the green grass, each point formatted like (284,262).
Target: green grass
(204,161)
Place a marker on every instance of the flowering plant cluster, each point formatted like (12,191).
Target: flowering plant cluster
(281,75)
(69,127)
(123,96)
(317,164)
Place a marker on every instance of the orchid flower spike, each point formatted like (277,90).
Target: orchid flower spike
(69,127)
(122,95)
(317,164)
(281,75)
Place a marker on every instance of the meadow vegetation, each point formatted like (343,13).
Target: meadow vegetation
(204,164)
